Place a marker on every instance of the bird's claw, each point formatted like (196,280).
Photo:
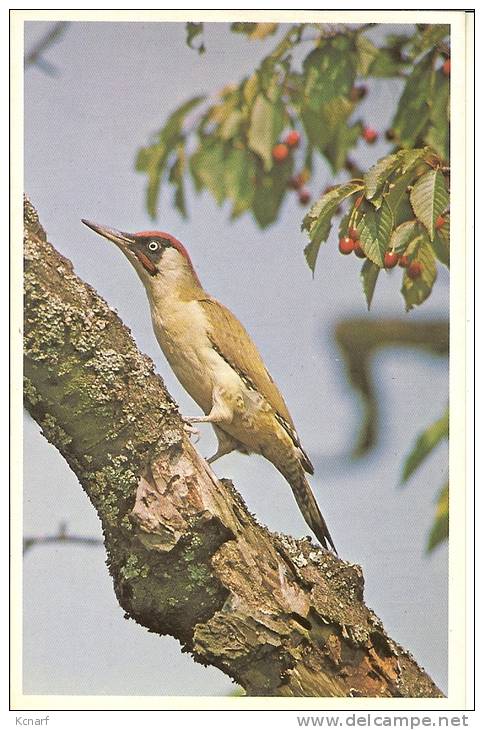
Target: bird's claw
(191,430)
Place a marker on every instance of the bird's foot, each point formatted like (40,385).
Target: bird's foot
(191,430)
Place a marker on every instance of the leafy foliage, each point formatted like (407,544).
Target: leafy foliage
(227,148)
(395,208)
(425,444)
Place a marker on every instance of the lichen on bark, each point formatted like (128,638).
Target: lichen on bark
(280,616)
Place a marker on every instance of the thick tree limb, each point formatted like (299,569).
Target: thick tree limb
(280,616)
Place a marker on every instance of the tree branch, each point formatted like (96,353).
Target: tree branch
(280,616)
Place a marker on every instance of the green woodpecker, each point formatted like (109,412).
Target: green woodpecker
(217,363)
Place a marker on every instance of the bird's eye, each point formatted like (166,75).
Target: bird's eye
(153,246)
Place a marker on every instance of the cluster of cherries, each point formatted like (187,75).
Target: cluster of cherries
(280,152)
(351,244)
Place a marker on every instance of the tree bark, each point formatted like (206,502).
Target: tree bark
(281,616)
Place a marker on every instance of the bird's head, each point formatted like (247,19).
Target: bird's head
(159,258)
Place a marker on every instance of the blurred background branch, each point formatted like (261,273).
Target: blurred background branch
(35,56)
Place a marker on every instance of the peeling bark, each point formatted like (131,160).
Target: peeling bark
(282,617)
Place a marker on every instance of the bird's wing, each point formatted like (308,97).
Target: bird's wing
(232,342)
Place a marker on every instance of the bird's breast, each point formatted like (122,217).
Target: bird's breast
(181,331)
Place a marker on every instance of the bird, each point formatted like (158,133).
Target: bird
(218,364)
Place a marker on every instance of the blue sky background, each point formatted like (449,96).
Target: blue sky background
(115,85)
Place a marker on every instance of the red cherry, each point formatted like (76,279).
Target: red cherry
(414,270)
(280,152)
(292,138)
(353,233)
(304,196)
(358,250)
(346,245)
(446,67)
(390,259)
(370,135)
(403,261)
(440,222)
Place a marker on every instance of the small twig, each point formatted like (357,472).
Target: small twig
(34,58)
(62,536)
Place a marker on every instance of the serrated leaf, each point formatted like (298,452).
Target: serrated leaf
(375,228)
(369,275)
(429,199)
(403,235)
(389,172)
(440,529)
(425,443)
(318,220)
(416,291)
(378,175)
(266,124)
(413,108)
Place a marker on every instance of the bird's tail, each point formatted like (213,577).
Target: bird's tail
(309,508)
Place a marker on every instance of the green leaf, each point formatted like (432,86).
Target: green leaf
(153,159)
(230,127)
(438,132)
(345,138)
(176,177)
(367,52)
(240,178)
(416,291)
(322,125)
(403,235)
(369,275)
(413,108)
(271,188)
(441,244)
(193,30)
(329,71)
(429,199)
(429,37)
(318,220)
(440,529)
(387,64)
(389,173)
(426,442)
(375,228)
(266,124)
(378,175)
(206,165)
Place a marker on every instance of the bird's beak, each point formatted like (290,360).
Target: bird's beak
(123,240)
